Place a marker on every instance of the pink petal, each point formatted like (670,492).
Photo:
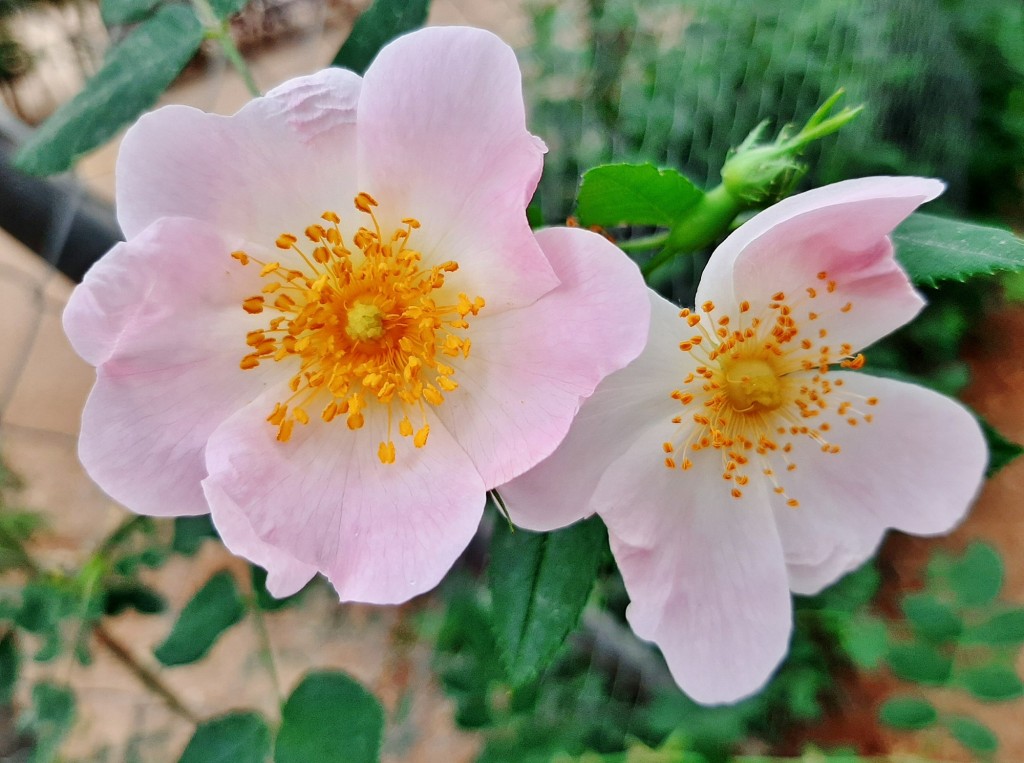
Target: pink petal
(704,572)
(521,386)
(273,167)
(558,490)
(169,332)
(380,533)
(840,230)
(285,574)
(443,139)
(916,467)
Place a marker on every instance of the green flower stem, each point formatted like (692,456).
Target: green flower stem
(704,224)
(266,647)
(643,243)
(218,30)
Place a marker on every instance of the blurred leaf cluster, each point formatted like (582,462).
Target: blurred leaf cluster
(957,634)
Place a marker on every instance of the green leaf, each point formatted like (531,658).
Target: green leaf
(231,738)
(931,619)
(977,577)
(49,720)
(264,599)
(920,663)
(934,249)
(1001,451)
(215,608)
(132,594)
(865,639)
(634,194)
(999,630)
(116,12)
(10,662)
(376,27)
(330,718)
(907,713)
(133,76)
(975,736)
(539,584)
(225,9)
(992,683)
(190,532)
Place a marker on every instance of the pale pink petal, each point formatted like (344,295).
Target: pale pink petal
(273,167)
(840,230)
(169,332)
(557,491)
(916,467)
(380,533)
(443,139)
(521,385)
(704,572)
(285,574)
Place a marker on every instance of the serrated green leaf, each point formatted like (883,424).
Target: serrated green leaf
(376,27)
(907,713)
(117,12)
(931,619)
(920,663)
(992,683)
(49,720)
(999,630)
(977,577)
(190,532)
(329,718)
(133,76)
(539,585)
(634,194)
(934,249)
(10,662)
(865,639)
(1001,451)
(231,738)
(975,736)
(215,608)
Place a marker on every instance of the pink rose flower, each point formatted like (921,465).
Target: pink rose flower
(331,326)
(735,461)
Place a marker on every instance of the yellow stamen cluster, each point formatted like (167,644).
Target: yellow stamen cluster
(365,324)
(760,383)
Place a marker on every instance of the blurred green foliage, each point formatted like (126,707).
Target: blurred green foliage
(681,82)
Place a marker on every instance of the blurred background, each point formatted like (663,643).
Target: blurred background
(675,82)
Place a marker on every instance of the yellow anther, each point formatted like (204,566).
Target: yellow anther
(386,452)
(421,436)
(285,241)
(253,305)
(365,202)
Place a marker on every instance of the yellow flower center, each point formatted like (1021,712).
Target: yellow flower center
(751,385)
(759,383)
(363,324)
